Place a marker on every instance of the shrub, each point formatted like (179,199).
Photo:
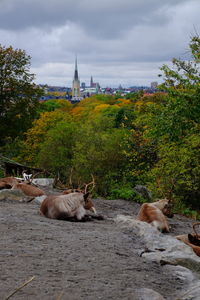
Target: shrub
(126,193)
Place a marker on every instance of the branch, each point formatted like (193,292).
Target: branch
(20,287)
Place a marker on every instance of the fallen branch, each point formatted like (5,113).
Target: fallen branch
(20,287)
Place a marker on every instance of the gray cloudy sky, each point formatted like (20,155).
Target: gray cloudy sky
(116,41)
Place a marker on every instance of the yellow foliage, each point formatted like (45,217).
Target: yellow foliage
(36,135)
(65,105)
(101,107)
(139,103)
(56,93)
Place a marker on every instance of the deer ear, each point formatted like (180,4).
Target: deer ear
(86,196)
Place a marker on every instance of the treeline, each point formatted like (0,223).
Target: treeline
(153,140)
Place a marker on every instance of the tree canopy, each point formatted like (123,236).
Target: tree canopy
(18,94)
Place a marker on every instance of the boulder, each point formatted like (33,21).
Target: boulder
(162,248)
(177,257)
(14,195)
(39,199)
(147,294)
(45,182)
(191,293)
(143,191)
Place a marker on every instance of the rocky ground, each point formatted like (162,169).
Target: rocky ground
(84,260)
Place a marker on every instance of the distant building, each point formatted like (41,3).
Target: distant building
(94,84)
(83,85)
(89,91)
(76,94)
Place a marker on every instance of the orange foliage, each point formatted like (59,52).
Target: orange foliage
(122,102)
(77,111)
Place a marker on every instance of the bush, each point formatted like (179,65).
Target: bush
(176,174)
(126,193)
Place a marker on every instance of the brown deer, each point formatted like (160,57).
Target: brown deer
(71,206)
(28,189)
(184,239)
(154,214)
(192,240)
(8,182)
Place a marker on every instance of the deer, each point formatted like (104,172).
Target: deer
(28,189)
(154,213)
(8,182)
(71,204)
(192,240)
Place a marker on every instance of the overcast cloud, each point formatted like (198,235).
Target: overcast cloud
(116,41)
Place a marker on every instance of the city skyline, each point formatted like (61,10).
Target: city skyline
(117,42)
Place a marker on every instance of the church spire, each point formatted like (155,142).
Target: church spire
(76,95)
(91,82)
(76,70)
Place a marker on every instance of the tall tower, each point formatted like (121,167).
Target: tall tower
(91,82)
(76,95)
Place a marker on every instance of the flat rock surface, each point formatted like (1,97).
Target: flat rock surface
(79,260)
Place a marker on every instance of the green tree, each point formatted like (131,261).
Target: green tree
(100,152)
(181,112)
(56,151)
(175,129)
(176,175)
(52,105)
(18,94)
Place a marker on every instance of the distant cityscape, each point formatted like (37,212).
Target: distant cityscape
(78,91)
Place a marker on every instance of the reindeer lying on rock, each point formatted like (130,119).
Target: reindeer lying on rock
(154,214)
(28,189)
(192,240)
(70,206)
(8,182)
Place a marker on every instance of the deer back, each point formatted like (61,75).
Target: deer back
(151,214)
(8,182)
(63,206)
(29,190)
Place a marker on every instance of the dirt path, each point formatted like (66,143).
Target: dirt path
(90,261)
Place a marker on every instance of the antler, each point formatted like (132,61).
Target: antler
(193,226)
(86,185)
(70,178)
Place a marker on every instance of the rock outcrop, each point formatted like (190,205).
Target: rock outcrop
(167,251)
(14,195)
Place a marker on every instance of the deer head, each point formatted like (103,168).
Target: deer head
(88,203)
